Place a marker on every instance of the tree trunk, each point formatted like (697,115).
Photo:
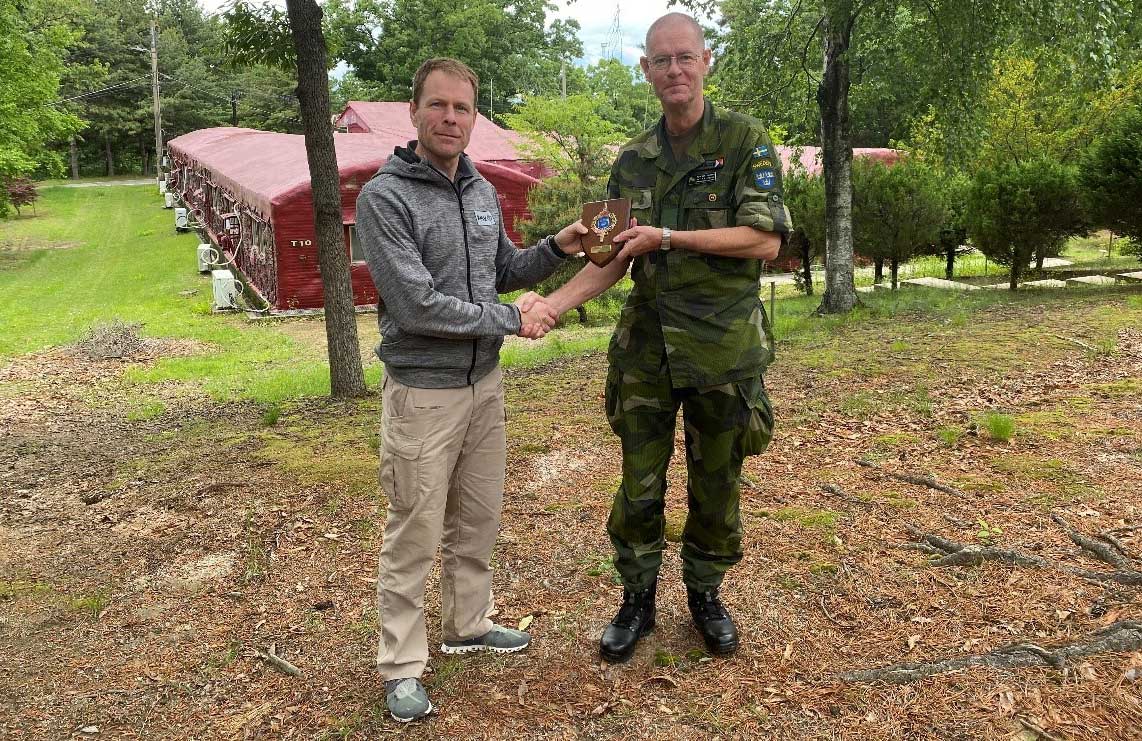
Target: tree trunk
(1040,254)
(806,267)
(346,377)
(74,156)
(1016,270)
(950,251)
(146,156)
(837,158)
(877,269)
(110,156)
(895,272)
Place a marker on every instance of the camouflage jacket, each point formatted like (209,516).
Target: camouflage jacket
(698,316)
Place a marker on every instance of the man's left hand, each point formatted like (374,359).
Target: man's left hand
(638,240)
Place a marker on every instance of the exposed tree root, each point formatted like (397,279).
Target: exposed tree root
(950,553)
(837,491)
(1122,636)
(1109,552)
(928,481)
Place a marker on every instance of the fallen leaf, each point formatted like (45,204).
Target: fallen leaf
(921,619)
(1086,671)
(912,641)
(522,690)
(525,621)
(788,652)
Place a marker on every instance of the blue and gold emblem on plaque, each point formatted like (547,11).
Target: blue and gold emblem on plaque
(604,222)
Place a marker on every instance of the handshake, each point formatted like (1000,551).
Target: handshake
(537,316)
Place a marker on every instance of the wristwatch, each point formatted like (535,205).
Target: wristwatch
(665,246)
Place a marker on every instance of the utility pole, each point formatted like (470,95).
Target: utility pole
(234,108)
(491,99)
(563,77)
(155,94)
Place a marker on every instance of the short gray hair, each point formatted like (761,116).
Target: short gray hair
(671,18)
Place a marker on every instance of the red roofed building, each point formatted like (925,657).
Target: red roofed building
(250,191)
(393,125)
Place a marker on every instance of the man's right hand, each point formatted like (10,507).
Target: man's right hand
(536,316)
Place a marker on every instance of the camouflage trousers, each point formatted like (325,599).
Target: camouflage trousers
(722,424)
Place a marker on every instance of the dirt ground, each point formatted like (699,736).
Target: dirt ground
(146,560)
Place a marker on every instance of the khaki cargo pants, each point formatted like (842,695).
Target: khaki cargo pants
(442,469)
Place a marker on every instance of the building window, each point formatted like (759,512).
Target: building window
(356,254)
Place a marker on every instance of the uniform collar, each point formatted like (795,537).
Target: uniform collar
(707,141)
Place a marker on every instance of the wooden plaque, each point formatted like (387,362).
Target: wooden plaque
(604,219)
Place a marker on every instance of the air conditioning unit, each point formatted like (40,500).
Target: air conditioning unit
(168,200)
(181,220)
(166,161)
(226,289)
(206,257)
(162,186)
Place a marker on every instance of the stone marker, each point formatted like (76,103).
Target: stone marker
(1093,280)
(1135,277)
(1048,283)
(950,285)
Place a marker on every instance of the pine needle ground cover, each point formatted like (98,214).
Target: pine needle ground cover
(943,541)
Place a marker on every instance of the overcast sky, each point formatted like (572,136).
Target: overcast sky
(595,17)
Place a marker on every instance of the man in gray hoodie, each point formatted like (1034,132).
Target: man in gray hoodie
(435,244)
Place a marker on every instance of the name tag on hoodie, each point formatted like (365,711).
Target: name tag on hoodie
(486,218)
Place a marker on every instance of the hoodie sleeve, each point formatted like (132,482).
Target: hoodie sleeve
(405,287)
(516,268)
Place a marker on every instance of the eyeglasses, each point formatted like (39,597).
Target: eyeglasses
(661,63)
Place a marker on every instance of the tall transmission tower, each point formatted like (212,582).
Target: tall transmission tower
(612,48)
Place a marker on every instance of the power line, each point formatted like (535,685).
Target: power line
(196,89)
(110,88)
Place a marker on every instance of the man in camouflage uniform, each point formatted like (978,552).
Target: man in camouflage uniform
(707,208)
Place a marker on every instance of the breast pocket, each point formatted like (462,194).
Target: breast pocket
(708,209)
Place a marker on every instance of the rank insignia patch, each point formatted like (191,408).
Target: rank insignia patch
(765,178)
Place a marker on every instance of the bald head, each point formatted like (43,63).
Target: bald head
(675,21)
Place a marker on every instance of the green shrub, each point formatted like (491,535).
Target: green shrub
(1020,210)
(1112,177)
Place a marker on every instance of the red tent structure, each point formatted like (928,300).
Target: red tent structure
(250,192)
(391,123)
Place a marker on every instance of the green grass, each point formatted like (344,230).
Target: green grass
(998,426)
(93,255)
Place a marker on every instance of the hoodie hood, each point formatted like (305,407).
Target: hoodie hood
(406,163)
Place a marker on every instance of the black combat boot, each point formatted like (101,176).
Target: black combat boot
(713,621)
(635,619)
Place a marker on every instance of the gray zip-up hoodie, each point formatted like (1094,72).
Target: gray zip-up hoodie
(439,255)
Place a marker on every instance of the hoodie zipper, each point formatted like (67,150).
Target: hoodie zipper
(467,260)
(467,274)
